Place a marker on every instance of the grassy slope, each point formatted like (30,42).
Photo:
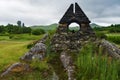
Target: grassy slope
(114,37)
(10,52)
(46,28)
(113,34)
(12,49)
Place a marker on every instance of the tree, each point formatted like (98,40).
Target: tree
(38,31)
(2,29)
(26,30)
(112,25)
(23,25)
(19,23)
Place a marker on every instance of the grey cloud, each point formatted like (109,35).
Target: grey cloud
(34,12)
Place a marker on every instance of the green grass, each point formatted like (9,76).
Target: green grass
(92,66)
(113,34)
(19,37)
(25,37)
(114,37)
(10,52)
(12,49)
(90,62)
(4,38)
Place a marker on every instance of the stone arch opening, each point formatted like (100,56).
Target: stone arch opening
(74,27)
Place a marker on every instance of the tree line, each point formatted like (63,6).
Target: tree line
(112,28)
(14,29)
(20,28)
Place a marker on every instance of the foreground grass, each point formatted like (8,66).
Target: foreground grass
(96,66)
(12,49)
(91,65)
(39,70)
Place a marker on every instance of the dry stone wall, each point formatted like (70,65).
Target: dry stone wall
(111,49)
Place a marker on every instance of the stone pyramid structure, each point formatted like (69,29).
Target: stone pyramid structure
(64,39)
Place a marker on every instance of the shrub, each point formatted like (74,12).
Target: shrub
(114,39)
(101,35)
(4,34)
(30,46)
(11,36)
(51,32)
(39,65)
(38,31)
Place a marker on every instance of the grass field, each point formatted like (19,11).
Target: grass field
(113,34)
(114,37)
(12,49)
(90,65)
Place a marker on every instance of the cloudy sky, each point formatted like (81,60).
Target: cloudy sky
(43,12)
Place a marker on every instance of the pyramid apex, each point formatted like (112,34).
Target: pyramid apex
(74,14)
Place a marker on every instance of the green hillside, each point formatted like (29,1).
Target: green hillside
(45,27)
(55,25)
(93,25)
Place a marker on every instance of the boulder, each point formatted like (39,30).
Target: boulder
(36,52)
(68,65)
(111,49)
(16,68)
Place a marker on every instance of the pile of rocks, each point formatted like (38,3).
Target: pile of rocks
(68,65)
(111,49)
(70,41)
(36,52)
(17,67)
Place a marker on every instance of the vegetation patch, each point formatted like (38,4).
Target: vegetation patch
(38,32)
(115,38)
(92,66)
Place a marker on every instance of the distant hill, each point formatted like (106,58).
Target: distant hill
(45,27)
(55,25)
(93,25)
